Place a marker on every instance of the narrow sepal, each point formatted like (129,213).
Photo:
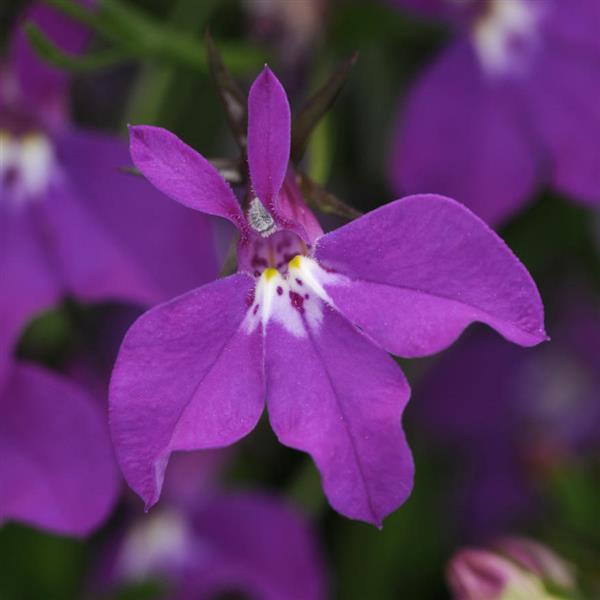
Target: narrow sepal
(232,98)
(320,198)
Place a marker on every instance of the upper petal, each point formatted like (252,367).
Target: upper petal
(179,171)
(419,270)
(459,135)
(188,376)
(336,396)
(269,131)
(57,469)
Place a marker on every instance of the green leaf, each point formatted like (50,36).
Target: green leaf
(136,34)
(156,40)
(156,82)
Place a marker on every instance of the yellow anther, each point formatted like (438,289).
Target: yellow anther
(295,262)
(269,273)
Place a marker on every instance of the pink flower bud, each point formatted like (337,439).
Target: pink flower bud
(475,574)
(538,559)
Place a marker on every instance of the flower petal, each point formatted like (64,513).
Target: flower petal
(174,248)
(260,546)
(188,376)
(419,270)
(26,281)
(84,256)
(183,174)
(269,131)
(57,469)
(333,394)
(564,91)
(575,25)
(459,136)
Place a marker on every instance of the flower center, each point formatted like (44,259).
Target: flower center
(26,166)
(275,251)
(505,35)
(163,538)
(294,298)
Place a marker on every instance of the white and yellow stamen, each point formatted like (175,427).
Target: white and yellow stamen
(27,165)
(295,299)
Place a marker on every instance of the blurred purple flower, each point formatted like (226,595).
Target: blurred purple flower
(70,222)
(245,543)
(515,569)
(57,469)
(511,414)
(306,322)
(509,106)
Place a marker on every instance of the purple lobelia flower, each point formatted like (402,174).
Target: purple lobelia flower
(509,106)
(57,469)
(511,416)
(306,322)
(224,543)
(70,222)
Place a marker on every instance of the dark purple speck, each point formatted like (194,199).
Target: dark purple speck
(10,177)
(297,301)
